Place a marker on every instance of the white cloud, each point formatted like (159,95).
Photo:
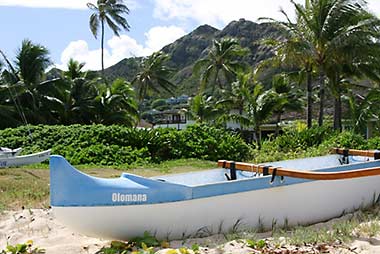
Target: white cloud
(160,36)
(217,12)
(64,4)
(119,48)
(220,12)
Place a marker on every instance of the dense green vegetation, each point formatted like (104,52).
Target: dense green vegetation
(116,145)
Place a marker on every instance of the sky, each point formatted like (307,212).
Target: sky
(62,25)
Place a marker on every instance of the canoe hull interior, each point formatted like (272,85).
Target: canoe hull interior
(21,160)
(302,203)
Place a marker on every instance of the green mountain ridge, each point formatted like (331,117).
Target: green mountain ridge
(185,51)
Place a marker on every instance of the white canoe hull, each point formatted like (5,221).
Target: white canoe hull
(295,204)
(17,161)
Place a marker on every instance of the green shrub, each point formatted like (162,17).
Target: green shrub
(347,139)
(117,145)
(295,139)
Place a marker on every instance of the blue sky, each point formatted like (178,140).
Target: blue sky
(62,25)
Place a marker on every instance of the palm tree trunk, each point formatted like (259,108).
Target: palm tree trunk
(321,100)
(338,113)
(309,113)
(102,48)
(278,120)
(10,65)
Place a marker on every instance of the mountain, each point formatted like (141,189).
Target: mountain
(188,49)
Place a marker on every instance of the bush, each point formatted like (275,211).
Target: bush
(347,139)
(117,145)
(294,139)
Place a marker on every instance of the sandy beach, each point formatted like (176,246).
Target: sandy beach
(40,226)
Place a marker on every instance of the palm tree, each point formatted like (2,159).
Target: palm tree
(294,50)
(339,31)
(8,112)
(154,75)
(234,101)
(110,12)
(117,104)
(258,104)
(75,102)
(289,98)
(202,109)
(335,32)
(363,108)
(221,64)
(26,83)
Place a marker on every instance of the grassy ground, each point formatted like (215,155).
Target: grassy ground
(28,187)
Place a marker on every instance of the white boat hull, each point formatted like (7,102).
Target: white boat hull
(303,203)
(17,161)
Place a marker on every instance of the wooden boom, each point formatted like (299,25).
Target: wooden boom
(299,173)
(367,153)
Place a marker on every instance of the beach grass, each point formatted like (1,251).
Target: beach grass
(28,187)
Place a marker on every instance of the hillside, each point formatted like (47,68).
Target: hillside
(185,51)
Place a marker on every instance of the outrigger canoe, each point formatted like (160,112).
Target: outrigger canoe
(20,160)
(8,152)
(237,195)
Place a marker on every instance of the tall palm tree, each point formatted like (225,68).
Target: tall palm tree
(154,75)
(110,12)
(335,31)
(289,98)
(27,85)
(339,30)
(221,64)
(294,50)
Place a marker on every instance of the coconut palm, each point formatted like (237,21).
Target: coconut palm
(75,100)
(341,31)
(108,12)
(258,104)
(29,90)
(8,112)
(117,104)
(335,32)
(363,108)
(154,76)
(202,109)
(219,68)
(289,97)
(294,50)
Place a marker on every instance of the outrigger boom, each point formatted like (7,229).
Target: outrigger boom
(307,174)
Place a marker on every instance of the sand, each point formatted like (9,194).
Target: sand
(45,231)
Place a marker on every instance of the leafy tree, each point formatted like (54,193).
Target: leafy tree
(29,90)
(289,98)
(221,64)
(202,108)
(76,100)
(340,30)
(258,104)
(363,108)
(117,104)
(334,36)
(110,12)
(154,75)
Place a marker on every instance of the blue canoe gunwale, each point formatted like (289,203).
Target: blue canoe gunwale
(72,188)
